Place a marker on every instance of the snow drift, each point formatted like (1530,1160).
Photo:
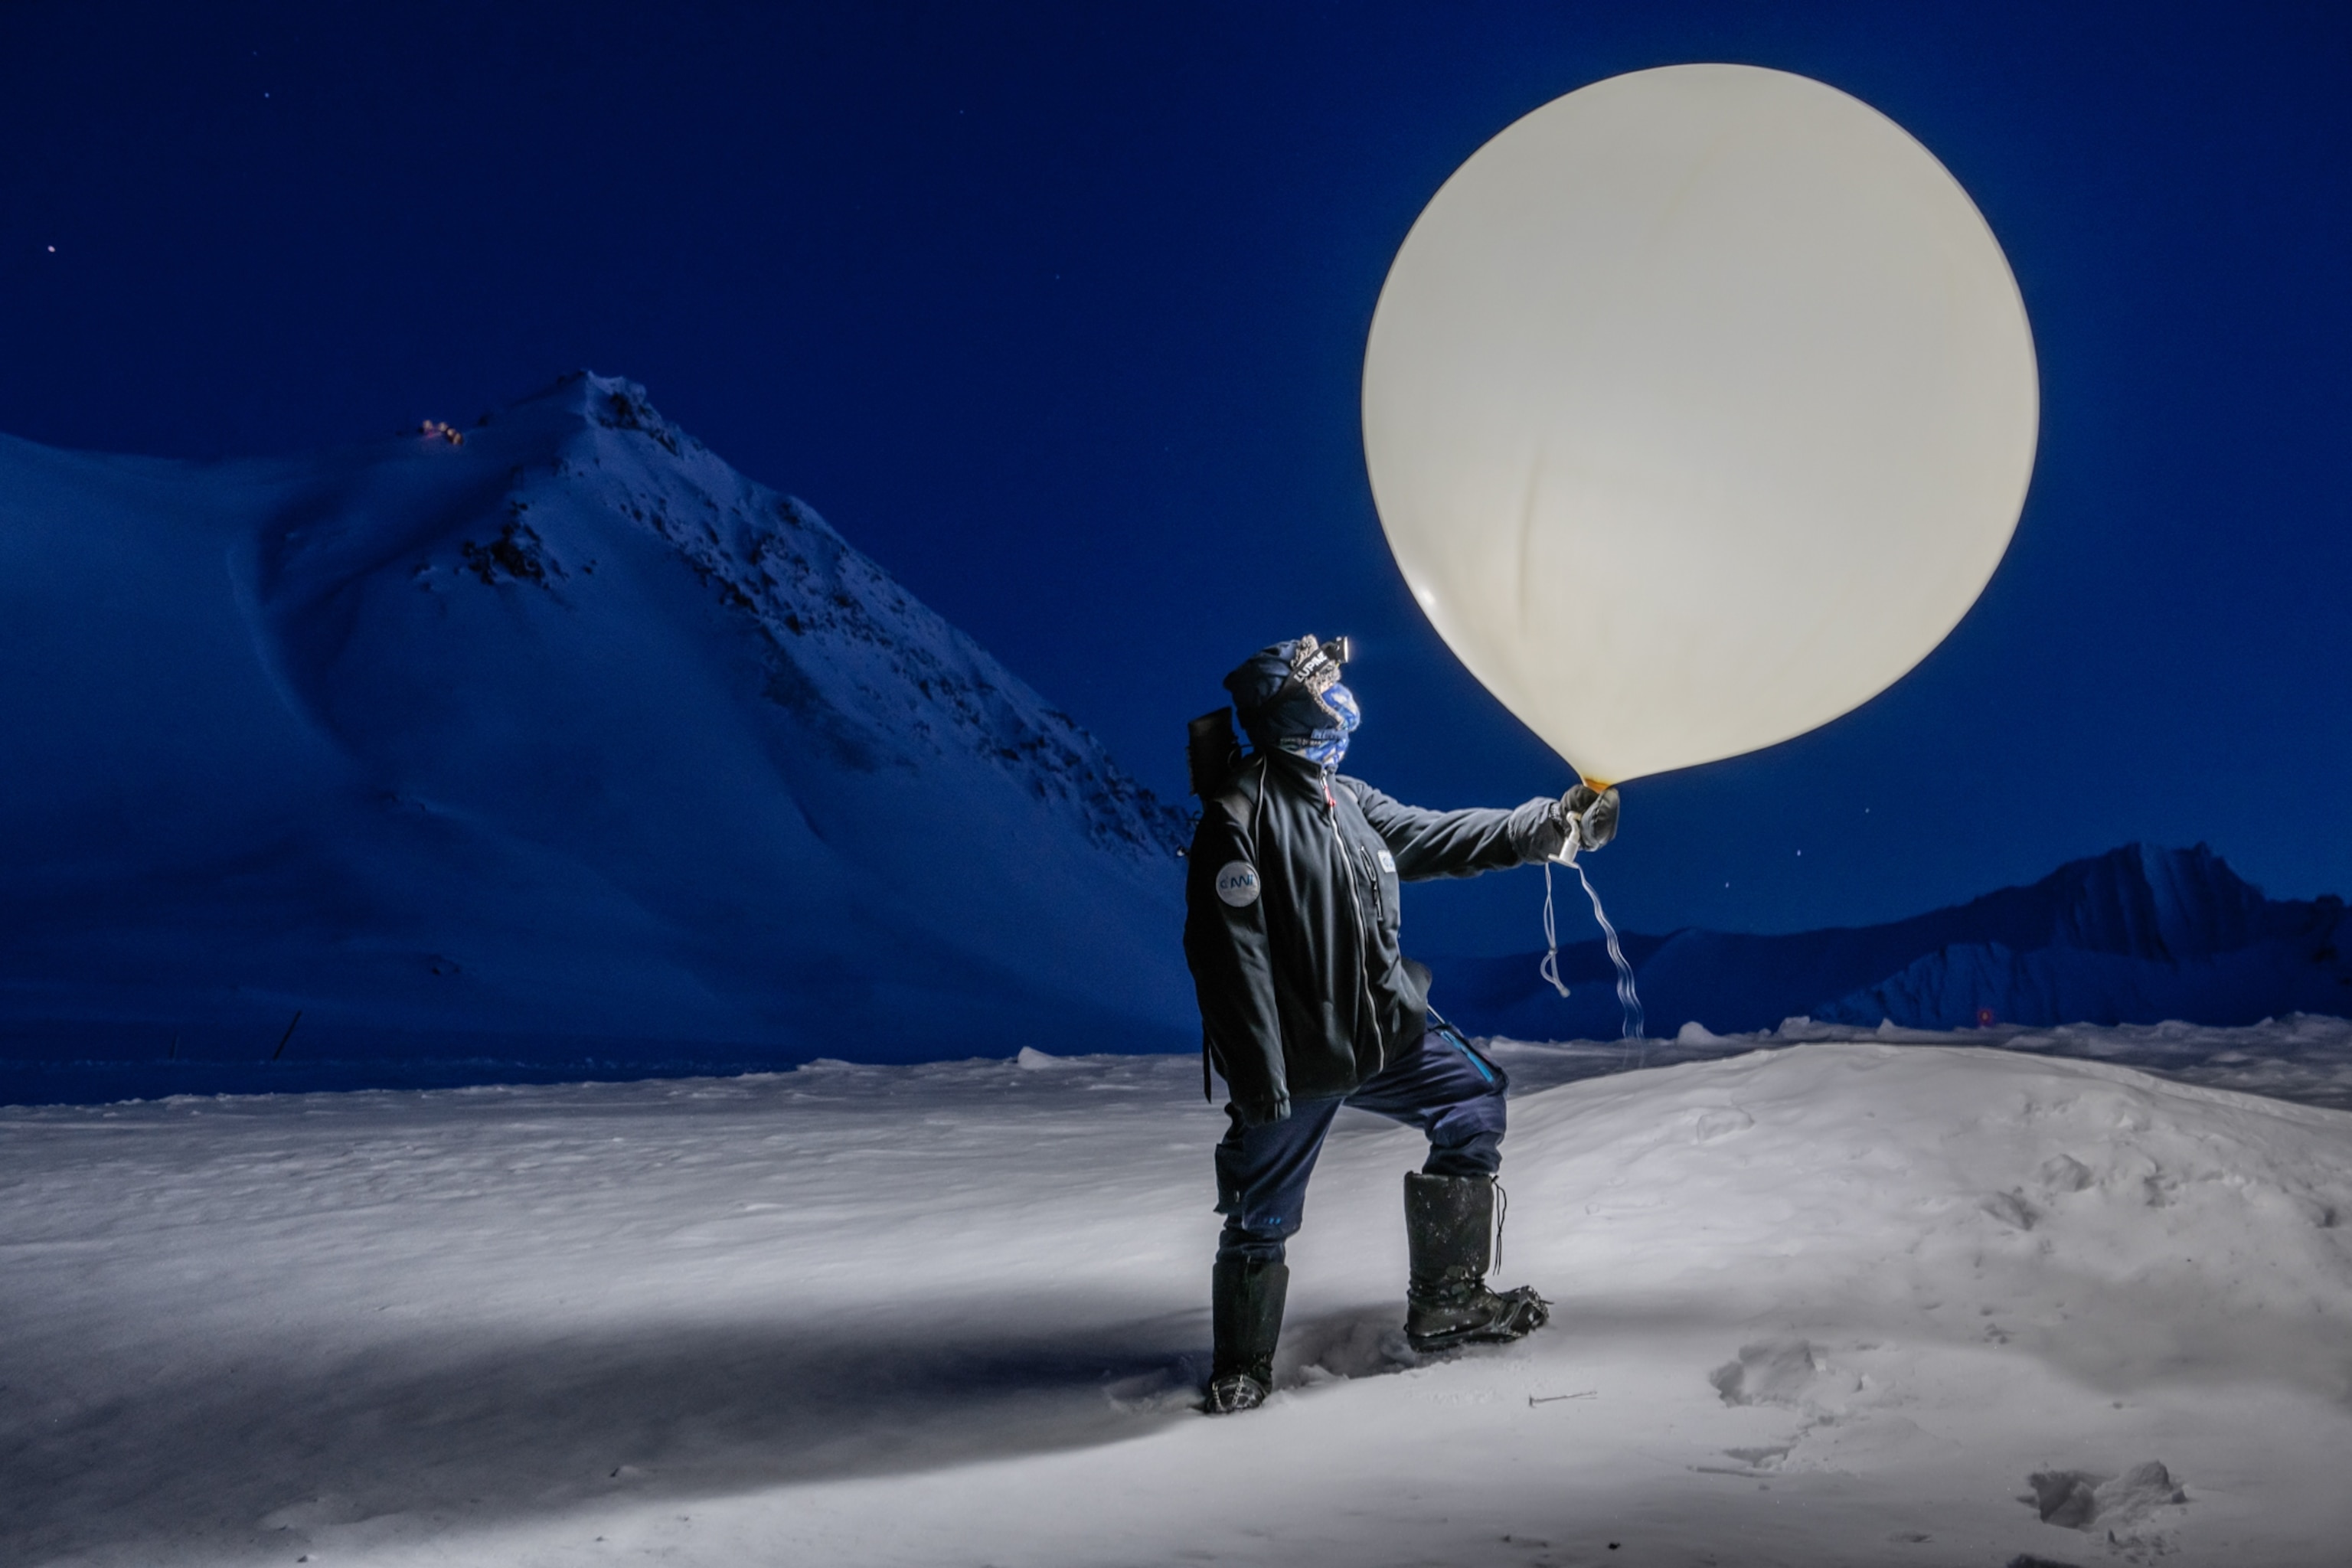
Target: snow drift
(564,741)
(2135,936)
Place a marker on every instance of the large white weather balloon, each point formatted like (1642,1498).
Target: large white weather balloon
(1699,406)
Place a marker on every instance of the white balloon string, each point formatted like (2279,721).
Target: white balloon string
(1549,967)
(1628,999)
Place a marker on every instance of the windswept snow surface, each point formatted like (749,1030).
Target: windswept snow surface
(2306,1057)
(1841,1303)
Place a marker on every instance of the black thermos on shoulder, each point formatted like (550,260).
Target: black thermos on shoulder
(1211,751)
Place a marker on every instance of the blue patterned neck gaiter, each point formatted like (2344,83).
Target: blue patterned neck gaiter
(1326,742)
(1289,699)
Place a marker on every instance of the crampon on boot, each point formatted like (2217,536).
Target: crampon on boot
(1449,1226)
(1245,1298)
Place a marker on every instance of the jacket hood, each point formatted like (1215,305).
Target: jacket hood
(1280,712)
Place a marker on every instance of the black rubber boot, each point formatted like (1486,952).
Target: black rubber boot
(1246,1299)
(1449,1229)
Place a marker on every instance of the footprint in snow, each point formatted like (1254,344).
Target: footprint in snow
(2116,1505)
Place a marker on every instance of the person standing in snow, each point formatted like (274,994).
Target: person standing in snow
(1307,1004)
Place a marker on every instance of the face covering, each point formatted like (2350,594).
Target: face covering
(1289,699)
(1326,742)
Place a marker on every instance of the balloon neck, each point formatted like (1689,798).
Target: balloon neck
(1596,785)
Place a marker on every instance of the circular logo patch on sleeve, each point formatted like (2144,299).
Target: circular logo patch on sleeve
(1237,883)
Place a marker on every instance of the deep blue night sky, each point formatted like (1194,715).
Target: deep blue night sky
(1058,313)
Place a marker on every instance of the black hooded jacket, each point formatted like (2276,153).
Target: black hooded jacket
(1291,923)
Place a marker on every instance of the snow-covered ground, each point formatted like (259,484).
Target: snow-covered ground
(1835,1302)
(2306,1058)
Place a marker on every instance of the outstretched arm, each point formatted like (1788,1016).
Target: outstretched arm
(1461,843)
(1464,842)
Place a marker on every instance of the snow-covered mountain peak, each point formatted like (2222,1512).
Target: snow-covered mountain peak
(867,662)
(553,733)
(878,676)
(2172,904)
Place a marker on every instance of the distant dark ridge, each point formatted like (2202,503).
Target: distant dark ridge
(2138,936)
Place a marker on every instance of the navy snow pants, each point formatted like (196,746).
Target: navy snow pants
(1444,1087)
